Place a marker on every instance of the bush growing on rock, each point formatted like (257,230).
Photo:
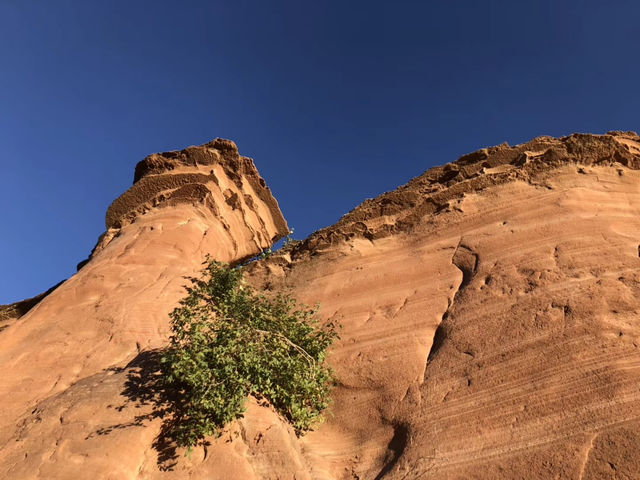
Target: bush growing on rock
(229,341)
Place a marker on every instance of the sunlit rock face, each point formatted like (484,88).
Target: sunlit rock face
(490,312)
(182,206)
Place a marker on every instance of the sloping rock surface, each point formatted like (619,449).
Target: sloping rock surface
(490,312)
(59,358)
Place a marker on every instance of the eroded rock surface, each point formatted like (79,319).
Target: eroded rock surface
(70,347)
(490,312)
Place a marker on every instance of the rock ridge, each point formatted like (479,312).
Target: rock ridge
(209,175)
(440,188)
(168,178)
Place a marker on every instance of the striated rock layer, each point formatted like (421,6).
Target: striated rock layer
(60,358)
(490,312)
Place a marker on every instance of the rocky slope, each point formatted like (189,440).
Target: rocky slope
(490,311)
(59,358)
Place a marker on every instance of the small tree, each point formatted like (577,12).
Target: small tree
(229,342)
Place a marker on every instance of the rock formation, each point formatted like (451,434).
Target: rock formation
(490,312)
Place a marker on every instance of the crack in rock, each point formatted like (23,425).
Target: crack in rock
(396,447)
(466,260)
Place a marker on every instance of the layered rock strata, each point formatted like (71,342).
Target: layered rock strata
(182,206)
(490,313)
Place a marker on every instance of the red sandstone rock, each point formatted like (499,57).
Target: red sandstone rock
(490,313)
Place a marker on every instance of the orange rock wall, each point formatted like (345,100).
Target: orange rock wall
(490,313)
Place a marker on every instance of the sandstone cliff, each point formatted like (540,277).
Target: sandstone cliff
(490,311)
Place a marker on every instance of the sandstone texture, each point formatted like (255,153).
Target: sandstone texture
(60,358)
(490,312)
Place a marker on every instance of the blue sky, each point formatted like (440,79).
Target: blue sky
(335,101)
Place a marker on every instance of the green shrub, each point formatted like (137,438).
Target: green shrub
(229,342)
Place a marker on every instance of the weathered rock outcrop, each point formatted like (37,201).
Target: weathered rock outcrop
(213,177)
(490,312)
(75,339)
(440,188)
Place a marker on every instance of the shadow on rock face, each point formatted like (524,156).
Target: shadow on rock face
(144,388)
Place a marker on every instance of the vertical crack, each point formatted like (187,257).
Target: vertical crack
(395,448)
(587,453)
(465,260)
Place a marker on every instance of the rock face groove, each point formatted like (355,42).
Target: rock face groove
(490,312)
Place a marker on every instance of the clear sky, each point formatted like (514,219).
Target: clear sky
(336,101)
